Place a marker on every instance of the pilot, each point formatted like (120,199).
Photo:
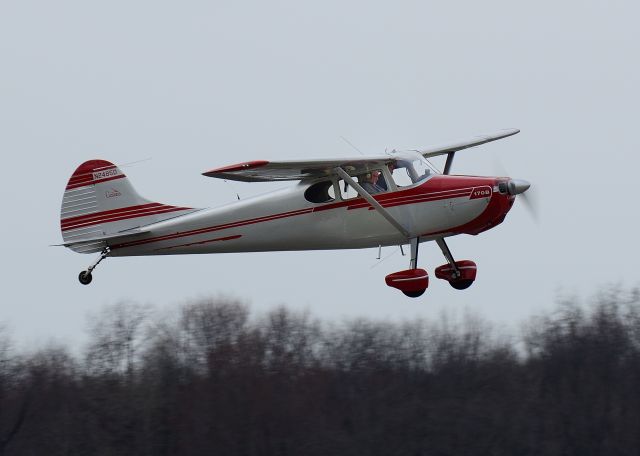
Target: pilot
(382,182)
(368,182)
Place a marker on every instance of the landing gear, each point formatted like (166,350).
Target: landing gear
(413,282)
(459,274)
(85,277)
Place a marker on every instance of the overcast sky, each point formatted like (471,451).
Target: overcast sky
(202,84)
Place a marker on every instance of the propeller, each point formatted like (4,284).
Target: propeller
(521,188)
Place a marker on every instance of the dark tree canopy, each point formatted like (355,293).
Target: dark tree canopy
(214,379)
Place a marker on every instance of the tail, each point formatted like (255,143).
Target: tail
(99,202)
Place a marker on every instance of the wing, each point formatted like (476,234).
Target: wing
(443,149)
(267,171)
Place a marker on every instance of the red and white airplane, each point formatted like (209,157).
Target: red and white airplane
(345,203)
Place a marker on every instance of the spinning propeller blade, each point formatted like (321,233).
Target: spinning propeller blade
(521,188)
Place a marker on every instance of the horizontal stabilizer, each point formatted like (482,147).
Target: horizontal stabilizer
(98,243)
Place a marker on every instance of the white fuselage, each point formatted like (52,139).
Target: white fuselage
(285,220)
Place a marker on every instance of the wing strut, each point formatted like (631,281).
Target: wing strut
(447,165)
(371,200)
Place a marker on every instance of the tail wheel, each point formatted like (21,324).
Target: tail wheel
(85,278)
(461,284)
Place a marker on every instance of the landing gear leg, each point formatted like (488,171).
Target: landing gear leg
(85,276)
(413,265)
(459,274)
(413,281)
(447,254)
(415,244)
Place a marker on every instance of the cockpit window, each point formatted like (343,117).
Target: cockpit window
(404,168)
(410,168)
(320,192)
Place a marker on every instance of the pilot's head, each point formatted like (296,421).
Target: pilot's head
(371,177)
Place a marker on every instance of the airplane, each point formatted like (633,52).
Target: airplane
(392,199)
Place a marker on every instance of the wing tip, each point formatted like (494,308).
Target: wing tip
(237,167)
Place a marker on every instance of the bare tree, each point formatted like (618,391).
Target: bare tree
(116,337)
(209,325)
(12,409)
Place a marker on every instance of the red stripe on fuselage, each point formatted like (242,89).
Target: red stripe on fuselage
(207,241)
(214,228)
(414,199)
(403,197)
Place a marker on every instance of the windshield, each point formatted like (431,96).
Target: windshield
(414,166)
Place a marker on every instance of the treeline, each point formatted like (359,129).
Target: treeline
(212,379)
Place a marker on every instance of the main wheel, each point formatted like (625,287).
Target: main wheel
(461,284)
(85,278)
(414,294)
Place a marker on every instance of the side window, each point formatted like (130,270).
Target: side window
(332,192)
(320,192)
(346,191)
(407,172)
(371,181)
(401,177)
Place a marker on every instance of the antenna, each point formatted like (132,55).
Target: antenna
(126,165)
(386,257)
(349,142)
(233,189)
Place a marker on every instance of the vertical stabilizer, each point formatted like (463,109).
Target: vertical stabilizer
(100,201)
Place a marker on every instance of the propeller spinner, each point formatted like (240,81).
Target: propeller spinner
(517,186)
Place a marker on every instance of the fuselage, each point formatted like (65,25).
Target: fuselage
(439,206)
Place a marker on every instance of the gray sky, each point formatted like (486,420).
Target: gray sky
(197,85)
